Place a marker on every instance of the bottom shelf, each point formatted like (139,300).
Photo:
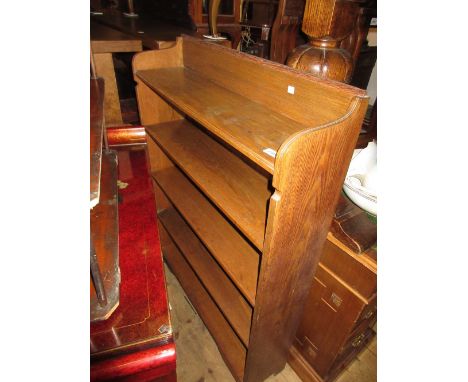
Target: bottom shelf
(231,348)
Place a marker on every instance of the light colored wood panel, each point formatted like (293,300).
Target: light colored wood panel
(233,253)
(163,58)
(105,39)
(231,348)
(231,302)
(315,101)
(152,108)
(117,46)
(162,202)
(238,190)
(309,173)
(157,159)
(249,127)
(105,69)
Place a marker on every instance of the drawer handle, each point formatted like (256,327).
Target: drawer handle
(368,314)
(358,340)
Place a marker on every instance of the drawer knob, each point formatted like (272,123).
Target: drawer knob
(358,340)
(368,314)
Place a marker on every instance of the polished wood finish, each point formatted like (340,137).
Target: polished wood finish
(323,58)
(327,23)
(104,230)
(104,267)
(109,40)
(126,136)
(136,342)
(143,366)
(311,131)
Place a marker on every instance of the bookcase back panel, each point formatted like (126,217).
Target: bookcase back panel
(270,84)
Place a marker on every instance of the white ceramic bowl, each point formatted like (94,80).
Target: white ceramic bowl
(361,180)
(363,200)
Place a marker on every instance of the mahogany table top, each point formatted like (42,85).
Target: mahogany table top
(141,321)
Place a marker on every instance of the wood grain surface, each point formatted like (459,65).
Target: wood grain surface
(237,189)
(309,173)
(238,259)
(234,118)
(230,346)
(105,39)
(229,300)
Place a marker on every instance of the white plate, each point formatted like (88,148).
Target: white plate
(364,163)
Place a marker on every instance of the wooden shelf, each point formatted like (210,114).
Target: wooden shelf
(229,300)
(239,191)
(234,118)
(238,259)
(231,348)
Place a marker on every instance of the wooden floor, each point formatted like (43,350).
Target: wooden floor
(198,358)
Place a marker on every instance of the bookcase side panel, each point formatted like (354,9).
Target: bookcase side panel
(309,172)
(152,108)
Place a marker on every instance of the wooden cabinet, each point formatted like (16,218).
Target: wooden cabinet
(247,174)
(339,314)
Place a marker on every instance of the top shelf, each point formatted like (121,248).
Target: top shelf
(250,127)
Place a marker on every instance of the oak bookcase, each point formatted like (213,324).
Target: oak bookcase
(248,158)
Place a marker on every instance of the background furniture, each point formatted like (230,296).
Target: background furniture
(235,165)
(271,27)
(136,342)
(150,27)
(341,309)
(228,18)
(336,30)
(104,42)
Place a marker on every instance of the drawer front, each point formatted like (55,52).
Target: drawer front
(368,315)
(351,271)
(349,352)
(330,314)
